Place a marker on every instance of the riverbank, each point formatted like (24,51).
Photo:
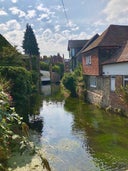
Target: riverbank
(25,162)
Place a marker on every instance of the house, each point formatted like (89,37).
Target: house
(117,70)
(79,55)
(74,46)
(100,61)
(57,59)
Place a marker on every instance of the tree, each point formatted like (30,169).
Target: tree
(31,49)
(11,57)
(30,45)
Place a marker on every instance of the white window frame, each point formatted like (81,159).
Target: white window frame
(113,83)
(93,82)
(125,79)
(88,60)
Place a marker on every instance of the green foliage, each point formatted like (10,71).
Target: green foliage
(61,69)
(74,81)
(30,45)
(44,66)
(21,86)
(10,57)
(123,93)
(3,43)
(69,81)
(9,122)
(56,68)
(11,137)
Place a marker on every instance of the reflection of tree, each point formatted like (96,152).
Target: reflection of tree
(56,95)
(104,135)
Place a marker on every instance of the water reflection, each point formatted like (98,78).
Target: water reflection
(105,136)
(80,137)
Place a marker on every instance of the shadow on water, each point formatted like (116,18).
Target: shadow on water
(105,135)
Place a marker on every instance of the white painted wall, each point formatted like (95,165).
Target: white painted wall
(115,69)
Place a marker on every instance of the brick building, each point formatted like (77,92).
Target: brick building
(101,60)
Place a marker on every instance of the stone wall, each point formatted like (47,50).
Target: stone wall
(102,94)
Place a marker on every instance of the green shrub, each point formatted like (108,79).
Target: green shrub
(21,87)
(69,81)
(44,66)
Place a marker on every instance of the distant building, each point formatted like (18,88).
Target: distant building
(57,59)
(67,65)
(74,46)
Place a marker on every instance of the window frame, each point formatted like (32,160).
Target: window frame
(125,79)
(88,60)
(93,82)
(113,83)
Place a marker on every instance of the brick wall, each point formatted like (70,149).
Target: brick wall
(92,69)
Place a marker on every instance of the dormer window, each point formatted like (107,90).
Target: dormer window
(88,60)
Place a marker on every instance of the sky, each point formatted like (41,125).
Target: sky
(54,22)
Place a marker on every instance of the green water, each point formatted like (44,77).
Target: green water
(80,137)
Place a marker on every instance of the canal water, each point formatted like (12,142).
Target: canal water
(80,137)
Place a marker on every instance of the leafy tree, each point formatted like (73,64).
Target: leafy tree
(31,49)
(30,45)
(9,56)
(44,66)
(4,43)
(56,68)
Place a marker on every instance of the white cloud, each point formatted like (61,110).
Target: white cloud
(116,11)
(3,27)
(45,10)
(14,1)
(16,11)
(57,28)
(10,25)
(42,8)
(58,8)
(43,16)
(72,26)
(2,12)
(31,13)
(13,25)
(15,37)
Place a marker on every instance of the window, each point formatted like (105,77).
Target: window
(92,81)
(113,83)
(88,60)
(72,52)
(126,80)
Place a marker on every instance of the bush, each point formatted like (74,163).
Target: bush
(69,81)
(21,87)
(44,66)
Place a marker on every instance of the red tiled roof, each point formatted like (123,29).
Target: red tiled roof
(114,35)
(120,56)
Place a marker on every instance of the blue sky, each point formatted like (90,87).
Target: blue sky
(52,29)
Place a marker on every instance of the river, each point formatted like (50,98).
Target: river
(80,137)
